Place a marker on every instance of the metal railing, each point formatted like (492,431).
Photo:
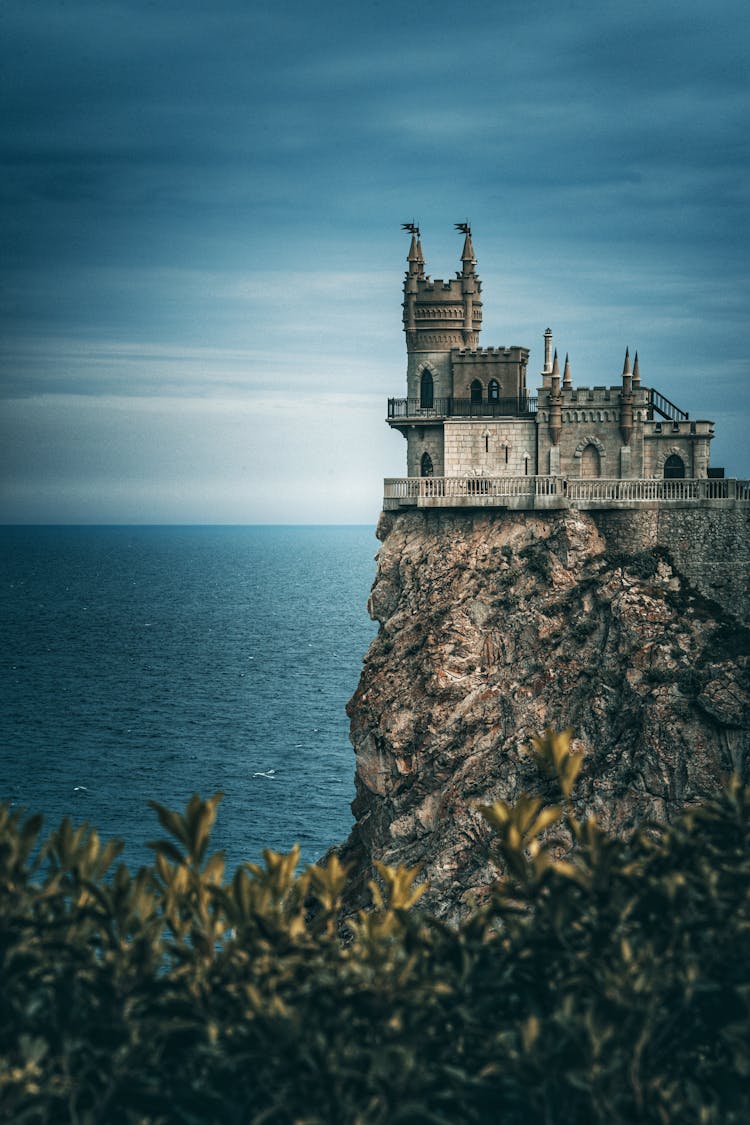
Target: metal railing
(662,405)
(523,405)
(594,490)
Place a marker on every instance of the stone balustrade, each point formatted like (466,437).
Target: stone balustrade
(524,493)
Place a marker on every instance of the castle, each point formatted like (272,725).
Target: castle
(477,437)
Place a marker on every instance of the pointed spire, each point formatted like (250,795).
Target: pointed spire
(554,384)
(636,372)
(566,373)
(626,365)
(467,254)
(415,258)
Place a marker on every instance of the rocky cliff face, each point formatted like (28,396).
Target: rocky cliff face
(496,626)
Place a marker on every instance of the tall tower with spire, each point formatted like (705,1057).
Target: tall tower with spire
(449,378)
(439,316)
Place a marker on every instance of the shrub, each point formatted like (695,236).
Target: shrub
(606,984)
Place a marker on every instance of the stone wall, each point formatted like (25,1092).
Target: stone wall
(420,440)
(438,364)
(709,546)
(507,366)
(674,438)
(477,447)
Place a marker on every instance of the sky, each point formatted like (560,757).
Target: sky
(200,283)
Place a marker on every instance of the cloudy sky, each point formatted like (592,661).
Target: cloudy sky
(202,256)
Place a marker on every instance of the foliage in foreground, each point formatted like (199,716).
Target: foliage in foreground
(608,986)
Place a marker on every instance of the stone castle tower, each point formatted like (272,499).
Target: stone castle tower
(468,414)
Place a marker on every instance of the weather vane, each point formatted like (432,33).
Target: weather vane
(411,227)
(463,227)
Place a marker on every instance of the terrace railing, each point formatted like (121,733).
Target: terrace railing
(521,406)
(589,490)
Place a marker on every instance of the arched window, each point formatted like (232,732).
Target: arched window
(476,391)
(674,468)
(426,469)
(426,392)
(591,462)
(493,391)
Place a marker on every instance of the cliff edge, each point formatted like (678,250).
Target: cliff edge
(494,626)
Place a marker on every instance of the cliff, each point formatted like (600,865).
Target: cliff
(494,626)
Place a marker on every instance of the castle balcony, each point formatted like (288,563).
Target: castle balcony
(545,492)
(402,410)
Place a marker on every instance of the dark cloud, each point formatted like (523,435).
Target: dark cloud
(205,200)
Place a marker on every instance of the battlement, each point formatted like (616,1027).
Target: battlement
(459,353)
(658,428)
(490,354)
(428,288)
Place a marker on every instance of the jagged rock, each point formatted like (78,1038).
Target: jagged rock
(494,626)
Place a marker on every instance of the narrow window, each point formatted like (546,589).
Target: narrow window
(493,391)
(476,392)
(506,455)
(426,469)
(426,391)
(525,466)
(486,443)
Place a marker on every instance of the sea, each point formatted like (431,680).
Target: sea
(152,663)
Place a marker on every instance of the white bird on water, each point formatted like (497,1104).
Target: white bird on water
(267,773)
(80,789)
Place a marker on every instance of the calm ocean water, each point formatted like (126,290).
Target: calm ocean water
(155,662)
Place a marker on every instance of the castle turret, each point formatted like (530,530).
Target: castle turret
(627,376)
(468,288)
(636,373)
(626,401)
(547,369)
(415,272)
(416,258)
(440,315)
(567,382)
(555,403)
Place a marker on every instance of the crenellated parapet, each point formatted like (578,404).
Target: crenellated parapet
(440,315)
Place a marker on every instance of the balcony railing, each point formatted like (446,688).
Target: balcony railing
(521,406)
(664,406)
(589,490)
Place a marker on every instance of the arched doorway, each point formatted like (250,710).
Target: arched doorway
(426,468)
(591,462)
(674,468)
(476,392)
(426,391)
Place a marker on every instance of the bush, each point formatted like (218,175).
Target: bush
(606,984)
